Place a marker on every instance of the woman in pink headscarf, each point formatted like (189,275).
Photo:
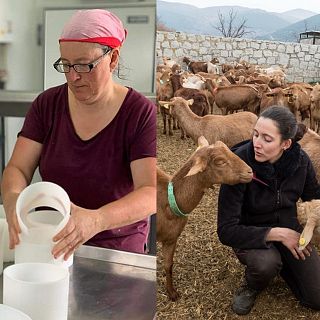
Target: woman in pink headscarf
(93,137)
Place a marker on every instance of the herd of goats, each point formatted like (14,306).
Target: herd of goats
(217,107)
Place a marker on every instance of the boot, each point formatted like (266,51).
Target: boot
(244,299)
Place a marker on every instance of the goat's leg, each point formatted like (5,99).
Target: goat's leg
(296,114)
(175,124)
(164,122)
(168,252)
(312,127)
(225,111)
(170,125)
(182,133)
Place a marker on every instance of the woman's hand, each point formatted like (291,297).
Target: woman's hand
(82,225)
(13,224)
(290,239)
(14,230)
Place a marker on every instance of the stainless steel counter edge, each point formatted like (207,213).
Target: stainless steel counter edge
(115,256)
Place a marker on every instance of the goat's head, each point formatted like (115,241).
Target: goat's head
(186,60)
(176,101)
(218,164)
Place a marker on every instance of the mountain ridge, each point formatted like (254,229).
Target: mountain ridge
(262,24)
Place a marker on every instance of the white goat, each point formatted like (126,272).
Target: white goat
(212,68)
(194,81)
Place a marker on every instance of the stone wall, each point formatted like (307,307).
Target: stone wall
(301,61)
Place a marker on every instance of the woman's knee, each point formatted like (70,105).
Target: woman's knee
(265,262)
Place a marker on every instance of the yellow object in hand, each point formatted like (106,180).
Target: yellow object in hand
(302,241)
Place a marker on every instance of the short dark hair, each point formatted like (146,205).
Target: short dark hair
(284,119)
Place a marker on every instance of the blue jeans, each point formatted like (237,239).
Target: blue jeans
(302,276)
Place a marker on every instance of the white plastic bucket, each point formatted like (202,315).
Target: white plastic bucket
(8,254)
(39,227)
(38,289)
(9,313)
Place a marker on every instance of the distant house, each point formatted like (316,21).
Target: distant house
(310,37)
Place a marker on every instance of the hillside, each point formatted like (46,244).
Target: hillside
(261,24)
(298,14)
(291,33)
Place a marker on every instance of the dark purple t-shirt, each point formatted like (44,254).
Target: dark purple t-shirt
(96,171)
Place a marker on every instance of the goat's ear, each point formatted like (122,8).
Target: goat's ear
(163,103)
(307,232)
(202,142)
(198,165)
(306,235)
(190,102)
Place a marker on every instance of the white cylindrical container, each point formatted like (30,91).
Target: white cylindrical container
(9,313)
(38,289)
(39,227)
(2,226)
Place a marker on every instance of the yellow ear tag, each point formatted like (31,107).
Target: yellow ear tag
(302,241)
(166,106)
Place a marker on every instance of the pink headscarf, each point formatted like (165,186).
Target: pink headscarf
(97,25)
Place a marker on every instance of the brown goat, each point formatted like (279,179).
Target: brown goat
(208,165)
(299,101)
(235,97)
(231,129)
(315,107)
(310,143)
(276,96)
(195,66)
(164,91)
(309,212)
(201,103)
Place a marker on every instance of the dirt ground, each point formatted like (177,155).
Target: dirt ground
(206,273)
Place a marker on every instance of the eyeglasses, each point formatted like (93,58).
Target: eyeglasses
(80,68)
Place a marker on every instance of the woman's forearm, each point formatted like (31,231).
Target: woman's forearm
(135,206)
(13,182)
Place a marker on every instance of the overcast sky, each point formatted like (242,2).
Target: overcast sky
(269,5)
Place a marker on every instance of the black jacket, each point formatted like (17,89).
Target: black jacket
(246,212)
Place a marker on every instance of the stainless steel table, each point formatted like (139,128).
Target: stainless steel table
(108,284)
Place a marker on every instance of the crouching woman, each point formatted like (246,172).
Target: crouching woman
(259,220)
